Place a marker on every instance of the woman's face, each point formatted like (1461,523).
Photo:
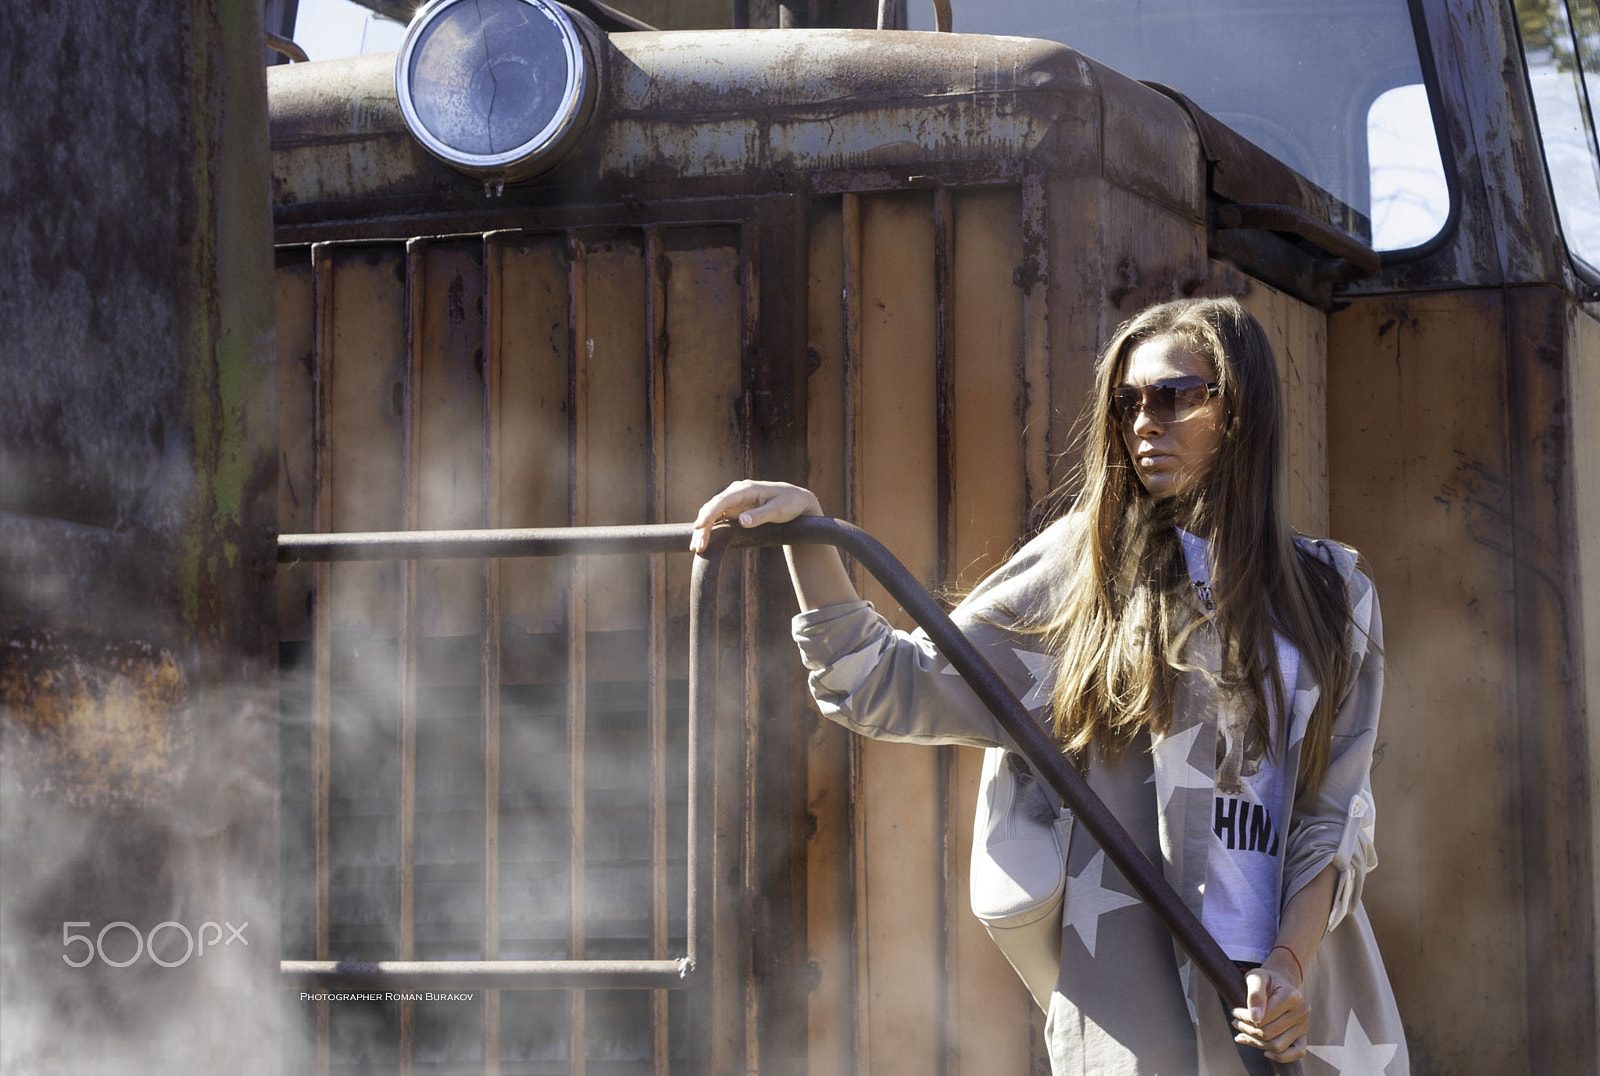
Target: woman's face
(1170,456)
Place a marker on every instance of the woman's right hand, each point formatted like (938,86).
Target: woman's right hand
(750,504)
(816,571)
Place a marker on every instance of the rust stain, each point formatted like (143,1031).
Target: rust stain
(94,720)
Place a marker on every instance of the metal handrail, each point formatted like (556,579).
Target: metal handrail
(689,972)
(1035,745)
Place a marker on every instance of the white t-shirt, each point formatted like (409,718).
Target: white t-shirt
(1241,895)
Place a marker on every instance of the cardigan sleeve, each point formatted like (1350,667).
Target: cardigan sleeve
(896,685)
(1334,823)
(887,684)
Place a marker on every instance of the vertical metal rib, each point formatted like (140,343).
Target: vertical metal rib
(704,1045)
(851,212)
(577,619)
(656,343)
(322,625)
(853,340)
(415,307)
(749,619)
(944,376)
(944,304)
(1035,340)
(493,346)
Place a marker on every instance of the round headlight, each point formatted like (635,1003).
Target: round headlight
(499,89)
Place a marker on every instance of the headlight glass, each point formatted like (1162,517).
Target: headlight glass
(493,87)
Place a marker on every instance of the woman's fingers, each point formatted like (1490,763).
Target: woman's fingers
(750,504)
(1277,1018)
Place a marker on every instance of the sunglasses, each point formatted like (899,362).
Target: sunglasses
(1172,400)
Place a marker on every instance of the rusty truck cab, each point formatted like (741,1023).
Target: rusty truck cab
(882,263)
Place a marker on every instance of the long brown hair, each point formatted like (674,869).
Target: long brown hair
(1122,629)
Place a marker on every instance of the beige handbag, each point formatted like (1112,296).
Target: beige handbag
(1019,871)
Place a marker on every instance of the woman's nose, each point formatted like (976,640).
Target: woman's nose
(1144,425)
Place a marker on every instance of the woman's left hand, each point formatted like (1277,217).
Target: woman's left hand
(1278,1016)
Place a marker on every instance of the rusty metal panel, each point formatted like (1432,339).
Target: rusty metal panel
(987,514)
(1111,253)
(1583,385)
(441,815)
(1149,147)
(1298,333)
(900,827)
(530,313)
(1419,470)
(296,450)
(137,498)
(699,276)
(429,356)
(701,341)
(830,907)
(364,121)
(533,439)
(613,365)
(1558,845)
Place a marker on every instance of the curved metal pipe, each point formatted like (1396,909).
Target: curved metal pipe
(1033,742)
(282,45)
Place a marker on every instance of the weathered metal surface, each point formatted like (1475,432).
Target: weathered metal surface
(880,254)
(337,133)
(991,455)
(1291,220)
(1242,172)
(106,721)
(1420,480)
(1583,386)
(706,104)
(750,103)
(137,482)
(1506,229)
(1555,729)
(449,372)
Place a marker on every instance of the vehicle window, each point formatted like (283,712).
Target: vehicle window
(1561,41)
(1410,198)
(1310,83)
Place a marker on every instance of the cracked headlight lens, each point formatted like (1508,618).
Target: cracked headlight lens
(496,88)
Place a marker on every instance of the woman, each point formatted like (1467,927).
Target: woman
(1217,678)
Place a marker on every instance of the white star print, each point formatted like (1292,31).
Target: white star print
(1088,899)
(1172,769)
(1039,668)
(1358,1056)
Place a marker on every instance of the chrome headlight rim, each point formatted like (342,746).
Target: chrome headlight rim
(538,152)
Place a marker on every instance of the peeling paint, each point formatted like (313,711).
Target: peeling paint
(104,721)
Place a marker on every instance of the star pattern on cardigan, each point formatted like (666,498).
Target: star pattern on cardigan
(1358,1055)
(1172,768)
(1088,899)
(1039,668)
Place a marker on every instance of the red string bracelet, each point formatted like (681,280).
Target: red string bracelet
(1298,966)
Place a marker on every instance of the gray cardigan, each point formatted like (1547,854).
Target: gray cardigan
(1127,1000)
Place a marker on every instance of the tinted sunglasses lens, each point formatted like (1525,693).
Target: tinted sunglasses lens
(1125,401)
(1172,400)
(1182,397)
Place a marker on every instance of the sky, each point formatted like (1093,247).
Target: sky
(329,29)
